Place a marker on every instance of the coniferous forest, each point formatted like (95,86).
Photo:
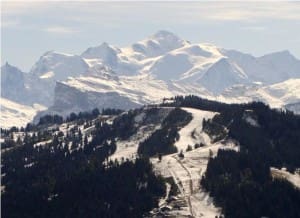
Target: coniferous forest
(162,140)
(47,172)
(71,176)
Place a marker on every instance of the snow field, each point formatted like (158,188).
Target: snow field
(15,114)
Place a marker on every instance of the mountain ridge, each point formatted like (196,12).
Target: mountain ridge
(163,64)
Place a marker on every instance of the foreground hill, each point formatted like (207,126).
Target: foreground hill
(185,158)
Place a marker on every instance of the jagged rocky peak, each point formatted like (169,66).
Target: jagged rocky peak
(12,83)
(8,68)
(11,77)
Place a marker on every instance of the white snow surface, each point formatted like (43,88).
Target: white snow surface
(127,149)
(187,173)
(61,66)
(194,127)
(47,75)
(14,114)
(276,95)
(251,121)
(141,89)
(283,174)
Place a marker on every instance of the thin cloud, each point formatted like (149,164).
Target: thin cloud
(214,11)
(254,28)
(9,23)
(13,8)
(59,30)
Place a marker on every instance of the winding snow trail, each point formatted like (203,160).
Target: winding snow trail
(192,133)
(188,171)
(186,174)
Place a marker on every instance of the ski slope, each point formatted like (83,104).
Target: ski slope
(192,133)
(187,172)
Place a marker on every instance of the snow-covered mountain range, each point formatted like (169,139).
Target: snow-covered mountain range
(162,65)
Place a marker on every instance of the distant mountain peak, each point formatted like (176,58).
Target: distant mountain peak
(102,51)
(158,44)
(164,34)
(160,65)
(106,45)
(53,53)
(283,53)
(9,68)
(58,66)
(48,53)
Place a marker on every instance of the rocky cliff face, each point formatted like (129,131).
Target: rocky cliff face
(68,99)
(12,83)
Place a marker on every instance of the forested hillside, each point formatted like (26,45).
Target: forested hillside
(64,167)
(63,171)
(161,142)
(241,182)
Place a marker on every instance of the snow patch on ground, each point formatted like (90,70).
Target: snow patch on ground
(250,118)
(128,148)
(15,114)
(283,174)
(47,75)
(251,121)
(43,143)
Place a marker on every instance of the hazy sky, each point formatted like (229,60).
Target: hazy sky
(30,29)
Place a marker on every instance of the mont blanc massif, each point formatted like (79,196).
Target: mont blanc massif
(161,66)
(161,128)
